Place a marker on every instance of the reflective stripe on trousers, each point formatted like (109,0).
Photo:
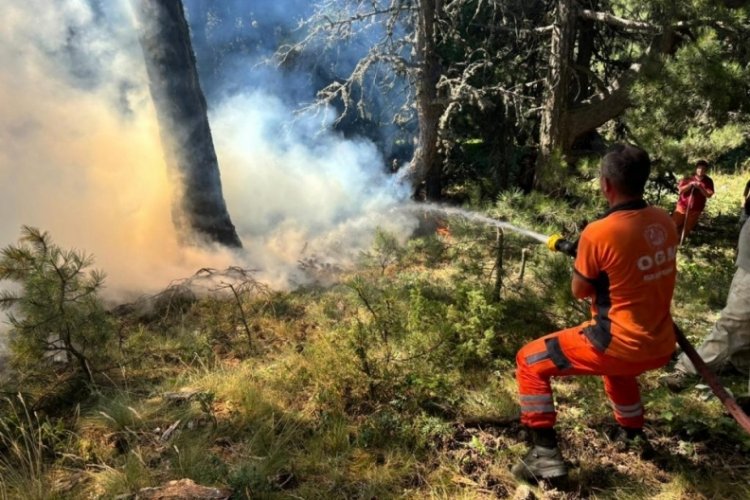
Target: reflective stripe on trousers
(569,352)
(628,411)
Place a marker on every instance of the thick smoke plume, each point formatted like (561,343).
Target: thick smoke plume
(81,156)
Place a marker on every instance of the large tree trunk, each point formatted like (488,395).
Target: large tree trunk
(425,165)
(584,52)
(566,117)
(199,213)
(552,133)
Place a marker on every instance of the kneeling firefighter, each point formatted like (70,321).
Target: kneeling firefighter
(624,262)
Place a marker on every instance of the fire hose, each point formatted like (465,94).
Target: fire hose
(712,380)
(557,243)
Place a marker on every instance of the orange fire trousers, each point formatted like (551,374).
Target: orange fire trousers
(688,220)
(569,352)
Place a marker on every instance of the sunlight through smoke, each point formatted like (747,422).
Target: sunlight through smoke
(81,158)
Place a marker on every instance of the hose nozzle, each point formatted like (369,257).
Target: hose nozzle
(557,243)
(552,241)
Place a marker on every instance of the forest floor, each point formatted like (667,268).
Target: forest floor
(390,380)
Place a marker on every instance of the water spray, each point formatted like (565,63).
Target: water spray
(468,215)
(556,242)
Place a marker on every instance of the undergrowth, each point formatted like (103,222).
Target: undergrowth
(396,381)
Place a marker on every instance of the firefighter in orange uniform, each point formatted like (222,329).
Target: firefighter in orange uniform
(626,264)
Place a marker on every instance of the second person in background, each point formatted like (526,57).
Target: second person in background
(694,191)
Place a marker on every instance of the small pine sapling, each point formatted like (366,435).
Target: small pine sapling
(54,311)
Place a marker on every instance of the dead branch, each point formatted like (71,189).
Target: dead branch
(618,22)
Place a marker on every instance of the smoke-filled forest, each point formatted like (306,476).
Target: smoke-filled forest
(450,249)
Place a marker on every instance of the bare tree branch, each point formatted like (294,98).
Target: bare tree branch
(618,22)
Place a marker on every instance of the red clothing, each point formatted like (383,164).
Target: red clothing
(629,258)
(698,201)
(685,222)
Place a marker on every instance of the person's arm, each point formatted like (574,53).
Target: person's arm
(581,287)
(707,187)
(586,266)
(700,187)
(684,185)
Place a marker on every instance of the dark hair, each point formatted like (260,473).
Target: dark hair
(627,168)
(701,163)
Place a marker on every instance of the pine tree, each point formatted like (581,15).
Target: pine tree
(54,312)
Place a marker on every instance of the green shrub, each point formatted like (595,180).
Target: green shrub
(56,310)
(386,251)
(474,321)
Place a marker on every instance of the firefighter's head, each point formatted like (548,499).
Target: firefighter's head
(624,172)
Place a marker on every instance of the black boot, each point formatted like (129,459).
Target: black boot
(543,461)
(635,440)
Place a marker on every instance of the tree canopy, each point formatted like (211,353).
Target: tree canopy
(493,88)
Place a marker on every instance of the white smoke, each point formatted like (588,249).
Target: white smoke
(80,157)
(294,191)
